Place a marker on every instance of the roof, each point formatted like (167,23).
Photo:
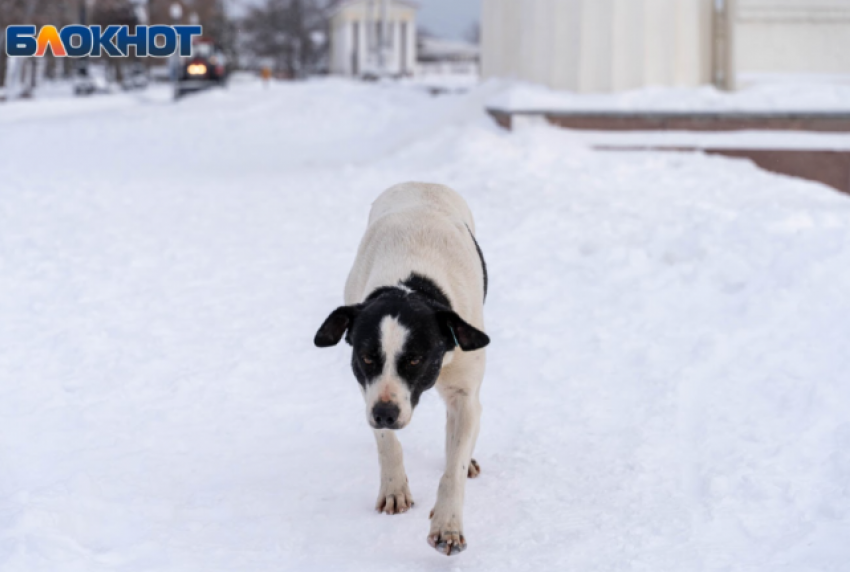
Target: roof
(440,49)
(346,3)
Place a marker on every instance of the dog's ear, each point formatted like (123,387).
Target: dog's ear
(335,325)
(457,332)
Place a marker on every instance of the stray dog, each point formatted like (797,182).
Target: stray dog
(413,316)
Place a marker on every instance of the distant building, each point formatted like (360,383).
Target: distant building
(441,56)
(613,45)
(361,45)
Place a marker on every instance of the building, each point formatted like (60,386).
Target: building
(791,37)
(373,37)
(613,45)
(438,56)
(598,45)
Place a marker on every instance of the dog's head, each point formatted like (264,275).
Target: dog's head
(400,339)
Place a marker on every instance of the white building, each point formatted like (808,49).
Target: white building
(779,37)
(598,45)
(612,45)
(373,37)
(438,56)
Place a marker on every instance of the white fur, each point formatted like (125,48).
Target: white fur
(425,228)
(388,387)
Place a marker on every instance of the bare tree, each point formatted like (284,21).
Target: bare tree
(37,12)
(115,12)
(292,33)
(58,13)
(211,14)
(12,12)
(7,14)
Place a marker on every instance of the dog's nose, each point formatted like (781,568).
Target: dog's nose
(385,414)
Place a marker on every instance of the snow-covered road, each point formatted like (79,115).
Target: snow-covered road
(668,386)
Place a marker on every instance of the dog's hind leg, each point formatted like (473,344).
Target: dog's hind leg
(464,413)
(394,496)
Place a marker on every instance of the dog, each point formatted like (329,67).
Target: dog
(414,317)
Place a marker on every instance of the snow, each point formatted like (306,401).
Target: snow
(443,77)
(667,386)
(797,140)
(758,97)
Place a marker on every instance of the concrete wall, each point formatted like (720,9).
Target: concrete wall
(792,36)
(598,45)
(612,45)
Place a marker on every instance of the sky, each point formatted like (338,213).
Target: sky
(444,18)
(449,18)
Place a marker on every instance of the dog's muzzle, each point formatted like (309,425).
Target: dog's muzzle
(385,415)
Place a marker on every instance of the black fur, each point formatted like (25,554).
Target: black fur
(481,257)
(425,341)
(335,325)
(434,328)
(429,289)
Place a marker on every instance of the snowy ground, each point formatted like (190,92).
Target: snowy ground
(667,386)
(830,95)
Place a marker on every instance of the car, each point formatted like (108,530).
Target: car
(206,67)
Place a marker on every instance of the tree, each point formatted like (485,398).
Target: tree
(115,12)
(38,12)
(292,33)
(211,14)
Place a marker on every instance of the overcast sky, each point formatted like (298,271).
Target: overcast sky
(445,18)
(448,18)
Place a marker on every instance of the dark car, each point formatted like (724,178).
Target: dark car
(206,67)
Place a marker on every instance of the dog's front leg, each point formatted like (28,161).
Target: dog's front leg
(394,496)
(464,413)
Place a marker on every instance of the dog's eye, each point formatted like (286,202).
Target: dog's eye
(366,360)
(415,361)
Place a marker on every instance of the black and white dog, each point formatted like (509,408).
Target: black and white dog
(414,318)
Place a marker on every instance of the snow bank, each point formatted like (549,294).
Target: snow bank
(667,385)
(797,140)
(778,97)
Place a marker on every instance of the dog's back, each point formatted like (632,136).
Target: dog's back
(409,199)
(427,229)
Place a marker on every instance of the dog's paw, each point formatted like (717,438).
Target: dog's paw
(448,542)
(446,538)
(394,499)
(474,469)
